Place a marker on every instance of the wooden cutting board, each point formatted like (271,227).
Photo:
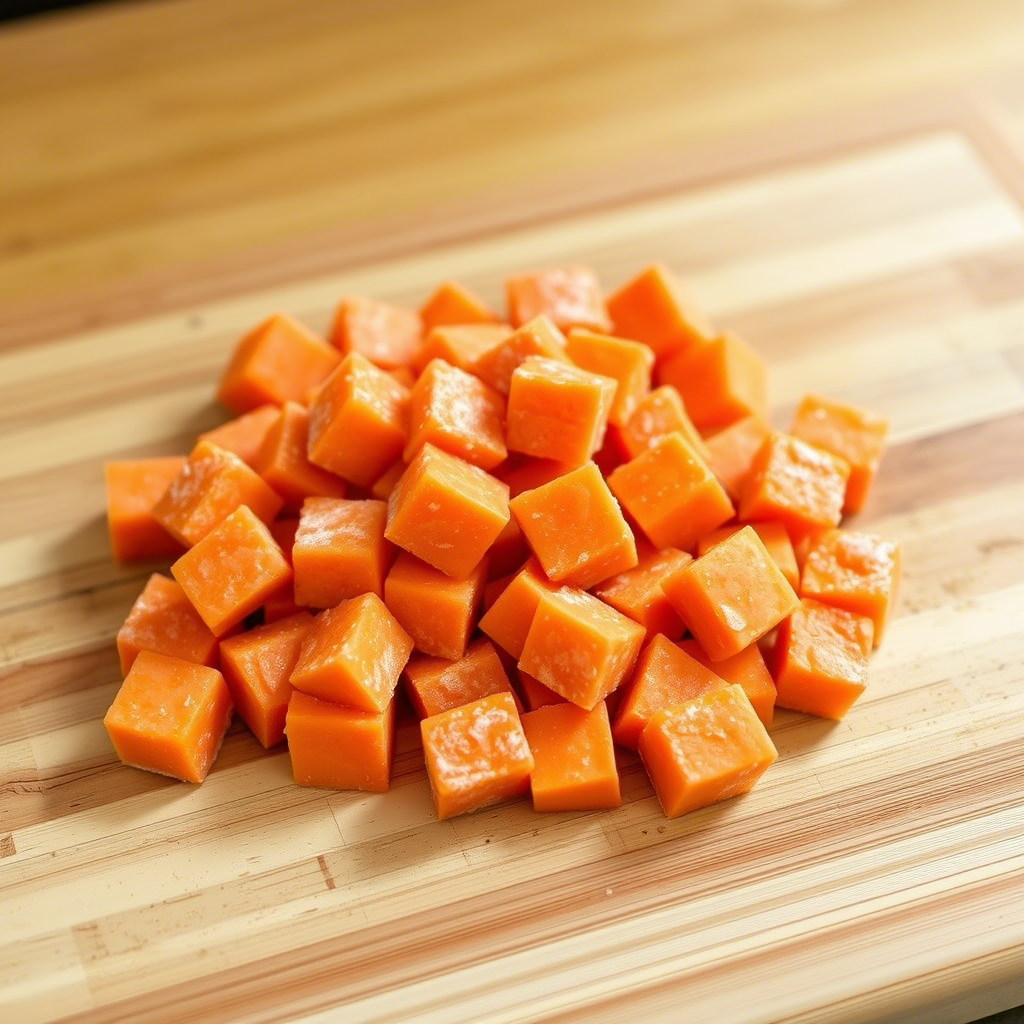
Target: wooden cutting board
(877,872)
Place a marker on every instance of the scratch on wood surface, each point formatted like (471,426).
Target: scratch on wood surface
(325,871)
(7,846)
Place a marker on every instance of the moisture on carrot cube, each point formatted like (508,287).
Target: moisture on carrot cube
(336,747)
(439,684)
(821,659)
(712,748)
(162,619)
(628,363)
(746,669)
(570,296)
(671,494)
(256,666)
(169,716)
(386,335)
(278,360)
(731,451)
(340,551)
(574,758)
(508,619)
(731,596)
(133,488)
(537,337)
(462,345)
(637,592)
(232,570)
(438,612)
(775,538)
(476,755)
(453,303)
(446,511)
(656,414)
(357,421)
(575,528)
(244,435)
(353,655)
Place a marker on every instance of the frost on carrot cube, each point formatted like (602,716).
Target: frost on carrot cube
(133,488)
(569,296)
(656,414)
(454,303)
(537,337)
(169,716)
(476,755)
(746,669)
(462,345)
(386,335)
(731,451)
(637,592)
(336,747)
(575,528)
(509,618)
(353,655)
(439,684)
(775,538)
(628,363)
(709,749)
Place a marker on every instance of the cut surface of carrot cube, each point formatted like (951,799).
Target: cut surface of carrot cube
(775,538)
(731,451)
(243,436)
(637,592)
(133,487)
(438,684)
(453,303)
(509,618)
(746,669)
(656,414)
(386,335)
(524,473)
(462,345)
(628,363)
(537,337)
(570,296)
(536,694)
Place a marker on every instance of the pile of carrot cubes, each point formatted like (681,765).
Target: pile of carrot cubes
(559,531)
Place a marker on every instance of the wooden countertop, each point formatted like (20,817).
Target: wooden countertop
(841,182)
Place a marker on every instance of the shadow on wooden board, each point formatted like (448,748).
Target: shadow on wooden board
(12,9)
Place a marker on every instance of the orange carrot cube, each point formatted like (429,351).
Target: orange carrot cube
(462,345)
(656,414)
(454,303)
(340,550)
(537,337)
(637,592)
(746,669)
(524,473)
(731,596)
(508,620)
(133,489)
(476,755)
(232,570)
(628,363)
(438,684)
(509,551)
(283,531)
(388,480)
(731,451)
(446,511)
(335,747)
(243,436)
(570,296)
(574,759)
(775,538)
(278,360)
(712,748)
(537,695)
(353,655)
(169,716)
(386,335)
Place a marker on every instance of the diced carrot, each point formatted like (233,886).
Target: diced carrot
(438,612)
(404,375)
(357,421)
(574,760)
(794,482)
(537,337)
(457,413)
(575,528)
(731,596)
(628,363)
(508,620)
(856,571)
(388,480)
(283,531)
(637,592)
(335,747)
(493,589)
(461,344)
(579,646)
(446,511)
(803,538)
(353,655)
(340,550)
(775,538)
(524,473)
(671,494)
(243,436)
(612,452)
(557,411)
(281,604)
(232,570)
(163,620)
(536,694)
(658,413)
(133,488)
(438,684)
(731,451)
(476,755)
(570,296)
(746,669)
(656,308)
(278,360)
(169,716)
(454,303)
(854,434)
(709,749)
(256,666)
(211,485)
(821,659)
(509,551)
(386,335)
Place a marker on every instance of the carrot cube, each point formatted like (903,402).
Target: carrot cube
(523,473)
(437,684)
(388,480)
(731,451)
(794,482)
(574,759)
(536,694)
(278,360)
(508,620)
(709,749)
(575,528)
(133,488)
(628,363)
(457,413)
(537,337)
(570,296)
(720,382)
(353,655)
(557,411)
(821,659)
(454,303)
(163,620)
(243,436)
(169,716)
(476,755)
(446,511)
(340,550)
(509,551)
(671,494)
(856,571)
(731,596)
(386,335)
(256,666)
(579,646)
(232,570)
(211,485)
(461,344)
(656,308)
(775,538)
(438,612)
(854,434)
(746,669)
(656,414)
(335,747)
(357,421)
(637,592)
